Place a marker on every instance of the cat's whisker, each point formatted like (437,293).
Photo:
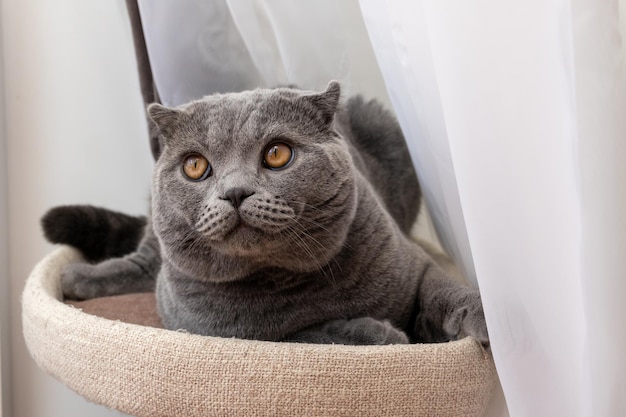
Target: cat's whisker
(306,233)
(323,227)
(302,244)
(310,207)
(301,233)
(186,243)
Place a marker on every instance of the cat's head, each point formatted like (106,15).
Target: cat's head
(251,180)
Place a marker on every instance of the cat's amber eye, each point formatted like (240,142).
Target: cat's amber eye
(277,155)
(196,167)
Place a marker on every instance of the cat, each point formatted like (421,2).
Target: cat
(279,215)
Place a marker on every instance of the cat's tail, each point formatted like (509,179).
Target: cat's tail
(98,232)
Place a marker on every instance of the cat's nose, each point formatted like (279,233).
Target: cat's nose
(237,195)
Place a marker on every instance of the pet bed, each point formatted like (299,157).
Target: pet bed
(112,351)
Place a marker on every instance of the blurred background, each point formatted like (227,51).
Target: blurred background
(73,132)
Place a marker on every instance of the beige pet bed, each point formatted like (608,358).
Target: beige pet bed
(143,370)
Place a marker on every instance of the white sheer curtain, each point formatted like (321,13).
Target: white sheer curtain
(533,98)
(198,47)
(515,116)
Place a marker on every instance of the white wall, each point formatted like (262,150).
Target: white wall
(4,257)
(75,133)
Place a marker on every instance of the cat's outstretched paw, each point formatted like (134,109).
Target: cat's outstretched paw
(468,319)
(77,282)
(82,281)
(369,331)
(359,331)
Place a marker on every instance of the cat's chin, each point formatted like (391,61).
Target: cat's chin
(244,240)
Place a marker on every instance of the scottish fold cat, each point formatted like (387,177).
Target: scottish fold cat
(277,215)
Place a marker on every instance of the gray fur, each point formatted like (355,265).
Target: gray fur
(315,252)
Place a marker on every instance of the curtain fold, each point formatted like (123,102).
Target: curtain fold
(195,49)
(600,97)
(198,47)
(404,56)
(532,95)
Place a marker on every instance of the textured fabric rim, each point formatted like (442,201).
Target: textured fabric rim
(149,372)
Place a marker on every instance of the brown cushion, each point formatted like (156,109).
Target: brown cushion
(137,308)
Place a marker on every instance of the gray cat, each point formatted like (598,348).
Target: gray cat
(276,215)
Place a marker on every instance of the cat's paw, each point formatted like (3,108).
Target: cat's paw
(467,319)
(359,331)
(82,281)
(77,282)
(369,331)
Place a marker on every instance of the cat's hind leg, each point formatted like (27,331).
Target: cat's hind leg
(135,272)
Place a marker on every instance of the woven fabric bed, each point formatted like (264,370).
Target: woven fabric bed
(114,352)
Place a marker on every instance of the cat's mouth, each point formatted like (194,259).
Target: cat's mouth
(247,228)
(241,227)
(235,233)
(255,225)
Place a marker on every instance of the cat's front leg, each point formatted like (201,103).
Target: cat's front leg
(359,331)
(133,273)
(448,310)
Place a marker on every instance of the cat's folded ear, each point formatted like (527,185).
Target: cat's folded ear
(326,101)
(166,119)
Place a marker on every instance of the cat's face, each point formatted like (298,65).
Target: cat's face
(255,179)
